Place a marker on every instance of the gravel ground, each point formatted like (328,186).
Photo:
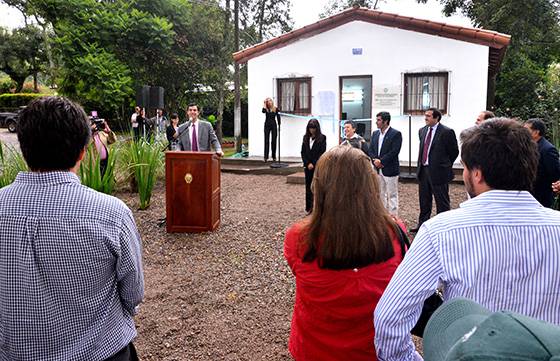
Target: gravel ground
(227,295)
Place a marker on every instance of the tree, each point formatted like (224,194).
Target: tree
(22,54)
(336,6)
(535,44)
(263,19)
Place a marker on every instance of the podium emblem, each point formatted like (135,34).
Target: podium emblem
(188,178)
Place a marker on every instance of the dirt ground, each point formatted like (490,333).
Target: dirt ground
(227,295)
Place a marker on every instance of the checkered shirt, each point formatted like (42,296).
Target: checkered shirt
(70,270)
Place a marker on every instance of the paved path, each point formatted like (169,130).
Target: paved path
(8,138)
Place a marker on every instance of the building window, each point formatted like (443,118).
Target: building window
(425,90)
(294,95)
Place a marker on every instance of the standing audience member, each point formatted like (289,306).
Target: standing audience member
(548,170)
(137,121)
(352,138)
(160,121)
(172,133)
(71,270)
(271,117)
(197,135)
(342,261)
(384,151)
(102,136)
(438,150)
(313,146)
(501,248)
(484,115)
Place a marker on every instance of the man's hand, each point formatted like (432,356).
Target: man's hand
(107,129)
(310,166)
(556,187)
(377,163)
(220,153)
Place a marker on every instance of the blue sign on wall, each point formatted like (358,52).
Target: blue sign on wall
(356,51)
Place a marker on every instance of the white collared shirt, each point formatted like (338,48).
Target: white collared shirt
(434,128)
(380,141)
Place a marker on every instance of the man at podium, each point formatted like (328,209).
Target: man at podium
(197,135)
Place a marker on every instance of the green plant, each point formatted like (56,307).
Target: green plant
(90,173)
(146,161)
(6,85)
(11,163)
(17,100)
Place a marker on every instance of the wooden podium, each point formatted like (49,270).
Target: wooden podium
(192,191)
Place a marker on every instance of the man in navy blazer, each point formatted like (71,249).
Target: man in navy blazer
(384,151)
(548,170)
(438,150)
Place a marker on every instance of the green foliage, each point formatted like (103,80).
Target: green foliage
(11,163)
(336,6)
(90,173)
(6,85)
(146,161)
(22,53)
(17,100)
(264,19)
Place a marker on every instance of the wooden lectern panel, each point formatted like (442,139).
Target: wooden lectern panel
(192,191)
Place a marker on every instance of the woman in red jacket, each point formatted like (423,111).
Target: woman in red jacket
(342,257)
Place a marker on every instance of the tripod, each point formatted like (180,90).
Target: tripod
(278,164)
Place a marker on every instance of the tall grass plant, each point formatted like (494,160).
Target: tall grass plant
(90,173)
(11,163)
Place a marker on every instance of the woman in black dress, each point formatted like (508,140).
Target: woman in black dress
(270,127)
(313,146)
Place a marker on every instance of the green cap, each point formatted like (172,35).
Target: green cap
(462,330)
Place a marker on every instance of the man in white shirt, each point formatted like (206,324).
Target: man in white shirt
(501,248)
(197,135)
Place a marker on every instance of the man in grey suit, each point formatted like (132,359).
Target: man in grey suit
(438,150)
(198,135)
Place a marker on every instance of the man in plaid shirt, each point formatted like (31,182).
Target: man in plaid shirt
(70,257)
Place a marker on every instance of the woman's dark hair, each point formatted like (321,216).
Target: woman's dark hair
(502,149)
(174,116)
(52,132)
(313,123)
(349,226)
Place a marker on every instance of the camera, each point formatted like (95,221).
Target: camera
(99,124)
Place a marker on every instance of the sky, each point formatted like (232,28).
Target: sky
(305,12)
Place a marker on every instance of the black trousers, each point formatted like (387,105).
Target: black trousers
(308,193)
(103,166)
(426,190)
(270,128)
(128,353)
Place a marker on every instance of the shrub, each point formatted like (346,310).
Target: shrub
(6,85)
(17,100)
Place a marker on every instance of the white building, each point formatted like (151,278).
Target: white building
(359,62)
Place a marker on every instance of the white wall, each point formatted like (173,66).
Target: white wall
(388,53)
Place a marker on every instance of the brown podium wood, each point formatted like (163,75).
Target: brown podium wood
(192,191)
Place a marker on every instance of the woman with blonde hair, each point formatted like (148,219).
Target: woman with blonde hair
(271,116)
(342,257)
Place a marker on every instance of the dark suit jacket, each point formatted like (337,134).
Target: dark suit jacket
(547,173)
(206,137)
(390,150)
(443,152)
(312,155)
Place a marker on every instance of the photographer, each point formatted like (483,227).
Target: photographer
(102,136)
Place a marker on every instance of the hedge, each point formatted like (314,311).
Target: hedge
(17,100)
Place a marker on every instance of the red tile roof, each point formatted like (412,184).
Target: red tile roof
(497,42)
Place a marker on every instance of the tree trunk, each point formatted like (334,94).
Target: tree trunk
(237,107)
(35,85)
(261,20)
(220,117)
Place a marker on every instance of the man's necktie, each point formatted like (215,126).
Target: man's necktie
(194,141)
(426,147)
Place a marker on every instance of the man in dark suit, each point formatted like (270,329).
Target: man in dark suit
(198,135)
(548,170)
(384,151)
(438,150)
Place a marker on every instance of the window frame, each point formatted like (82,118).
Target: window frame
(297,108)
(445,74)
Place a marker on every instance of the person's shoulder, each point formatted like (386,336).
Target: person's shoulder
(394,131)
(102,206)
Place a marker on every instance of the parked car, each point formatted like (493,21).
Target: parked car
(9,120)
